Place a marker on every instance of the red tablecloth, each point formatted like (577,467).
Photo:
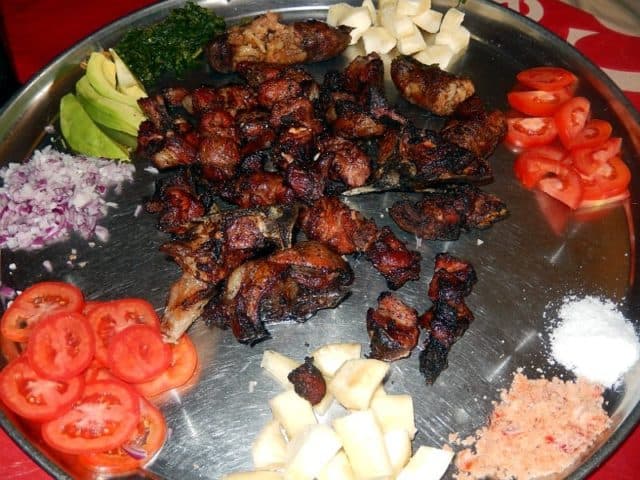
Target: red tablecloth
(38,30)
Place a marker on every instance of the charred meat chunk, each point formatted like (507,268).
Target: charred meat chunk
(308,381)
(393,328)
(449,317)
(475,129)
(266,39)
(215,245)
(257,189)
(391,257)
(349,163)
(443,214)
(428,86)
(291,284)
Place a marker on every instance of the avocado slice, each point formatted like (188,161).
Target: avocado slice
(83,135)
(127,82)
(96,75)
(107,111)
(124,139)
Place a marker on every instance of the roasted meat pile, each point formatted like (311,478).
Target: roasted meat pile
(282,148)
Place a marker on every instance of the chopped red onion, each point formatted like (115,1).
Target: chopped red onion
(136,452)
(44,200)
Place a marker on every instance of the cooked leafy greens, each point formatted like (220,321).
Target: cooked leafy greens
(172,46)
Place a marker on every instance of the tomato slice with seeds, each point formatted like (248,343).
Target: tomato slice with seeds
(594,133)
(554,178)
(146,440)
(61,346)
(587,161)
(530,132)
(104,417)
(35,303)
(571,119)
(547,78)
(610,180)
(111,318)
(34,397)
(538,103)
(138,354)
(184,360)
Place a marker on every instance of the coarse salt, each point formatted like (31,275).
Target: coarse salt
(594,340)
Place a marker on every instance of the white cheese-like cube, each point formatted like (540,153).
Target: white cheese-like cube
(356,380)
(310,451)
(330,357)
(387,4)
(408,7)
(440,55)
(403,26)
(395,412)
(427,464)
(398,446)
(337,12)
(338,468)
(387,19)
(293,412)
(452,19)
(456,39)
(373,14)
(378,39)
(429,20)
(279,366)
(363,442)
(269,450)
(411,44)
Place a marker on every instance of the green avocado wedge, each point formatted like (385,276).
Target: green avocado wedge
(83,135)
(95,74)
(106,111)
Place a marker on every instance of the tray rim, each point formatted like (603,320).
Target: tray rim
(40,80)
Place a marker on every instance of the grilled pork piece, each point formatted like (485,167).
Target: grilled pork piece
(349,163)
(216,244)
(308,382)
(449,317)
(330,221)
(393,328)
(187,298)
(428,86)
(475,129)
(443,214)
(291,284)
(258,189)
(415,159)
(176,200)
(268,40)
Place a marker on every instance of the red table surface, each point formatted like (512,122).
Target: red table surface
(36,31)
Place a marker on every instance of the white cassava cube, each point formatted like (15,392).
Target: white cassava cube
(337,12)
(387,19)
(356,380)
(395,412)
(373,14)
(330,357)
(269,449)
(387,4)
(440,55)
(279,366)
(403,26)
(363,442)
(293,412)
(310,451)
(429,21)
(457,39)
(378,39)
(257,475)
(452,19)
(408,45)
(398,446)
(338,468)
(323,405)
(427,464)
(408,7)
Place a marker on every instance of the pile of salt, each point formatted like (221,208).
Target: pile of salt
(594,340)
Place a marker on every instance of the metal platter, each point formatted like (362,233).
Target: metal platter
(525,264)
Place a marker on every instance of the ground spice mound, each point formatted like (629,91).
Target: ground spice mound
(539,428)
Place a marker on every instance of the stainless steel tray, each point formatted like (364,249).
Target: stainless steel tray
(523,265)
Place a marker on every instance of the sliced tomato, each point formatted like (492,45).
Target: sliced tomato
(547,78)
(530,132)
(146,440)
(97,371)
(610,180)
(554,178)
(538,103)
(104,417)
(587,161)
(184,360)
(138,354)
(34,397)
(61,346)
(571,119)
(594,133)
(36,302)
(91,305)
(111,318)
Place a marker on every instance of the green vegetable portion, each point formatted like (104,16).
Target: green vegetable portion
(172,46)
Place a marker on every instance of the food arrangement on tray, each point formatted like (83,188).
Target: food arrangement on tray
(262,172)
